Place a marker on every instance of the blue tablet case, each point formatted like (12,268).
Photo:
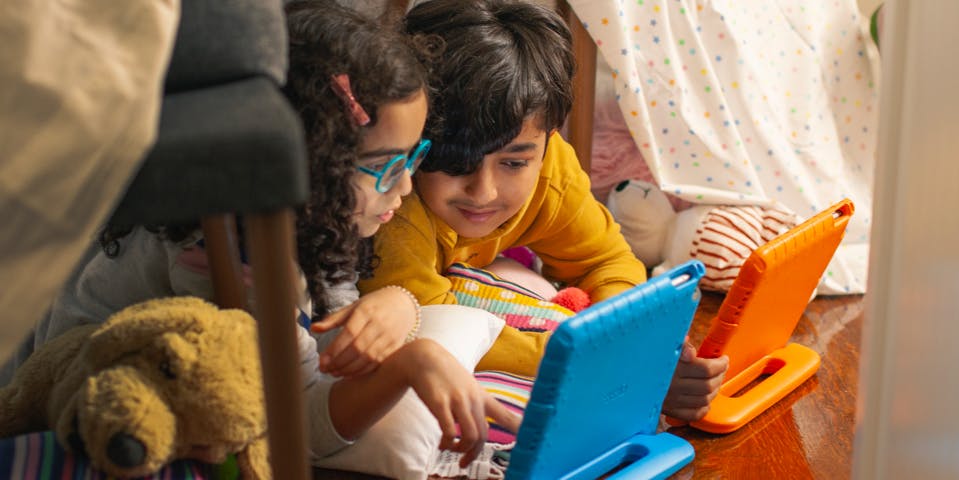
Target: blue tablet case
(601,384)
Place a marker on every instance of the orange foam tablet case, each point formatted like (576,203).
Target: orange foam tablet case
(758,316)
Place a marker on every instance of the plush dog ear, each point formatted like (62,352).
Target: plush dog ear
(134,327)
(254,460)
(67,429)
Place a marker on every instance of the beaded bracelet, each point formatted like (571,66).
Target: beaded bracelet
(416,304)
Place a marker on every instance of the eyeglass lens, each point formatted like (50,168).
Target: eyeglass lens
(397,168)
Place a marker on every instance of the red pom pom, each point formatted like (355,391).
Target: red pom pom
(572,298)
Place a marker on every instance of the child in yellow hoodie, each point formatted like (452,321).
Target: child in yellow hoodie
(499,176)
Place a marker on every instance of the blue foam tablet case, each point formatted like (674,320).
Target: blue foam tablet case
(600,387)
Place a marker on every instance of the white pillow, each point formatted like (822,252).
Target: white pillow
(466,332)
(401,443)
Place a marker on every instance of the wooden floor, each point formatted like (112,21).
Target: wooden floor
(809,434)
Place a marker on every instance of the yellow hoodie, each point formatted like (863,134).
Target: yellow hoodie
(572,233)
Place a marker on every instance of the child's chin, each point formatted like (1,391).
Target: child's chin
(474,230)
(368,229)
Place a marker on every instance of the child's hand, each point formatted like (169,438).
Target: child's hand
(695,383)
(453,397)
(374,327)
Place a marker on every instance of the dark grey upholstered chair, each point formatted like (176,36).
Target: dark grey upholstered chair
(229,143)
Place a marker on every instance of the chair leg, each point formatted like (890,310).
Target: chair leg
(270,245)
(223,253)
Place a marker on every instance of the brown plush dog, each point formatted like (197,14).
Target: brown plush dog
(161,380)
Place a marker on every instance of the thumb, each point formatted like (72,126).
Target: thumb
(501,415)
(688,353)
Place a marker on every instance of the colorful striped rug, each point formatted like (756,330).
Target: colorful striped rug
(38,456)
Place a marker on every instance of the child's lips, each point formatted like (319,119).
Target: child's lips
(476,216)
(386,216)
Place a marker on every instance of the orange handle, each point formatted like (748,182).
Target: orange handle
(719,334)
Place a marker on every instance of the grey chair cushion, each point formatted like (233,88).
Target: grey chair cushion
(224,40)
(233,148)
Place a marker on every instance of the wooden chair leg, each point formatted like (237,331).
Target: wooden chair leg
(223,253)
(270,245)
(580,121)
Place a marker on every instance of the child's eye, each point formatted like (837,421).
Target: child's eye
(515,164)
(376,165)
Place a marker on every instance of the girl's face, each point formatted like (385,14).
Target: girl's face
(474,205)
(397,132)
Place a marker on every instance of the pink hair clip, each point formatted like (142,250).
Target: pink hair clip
(341,85)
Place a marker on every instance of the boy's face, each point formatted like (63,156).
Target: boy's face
(474,205)
(397,132)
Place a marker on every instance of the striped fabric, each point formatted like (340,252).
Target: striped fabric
(513,392)
(523,310)
(729,234)
(38,456)
(510,390)
(519,307)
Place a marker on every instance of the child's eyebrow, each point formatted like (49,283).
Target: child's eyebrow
(384,152)
(518,147)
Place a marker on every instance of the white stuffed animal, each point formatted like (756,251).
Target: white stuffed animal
(721,236)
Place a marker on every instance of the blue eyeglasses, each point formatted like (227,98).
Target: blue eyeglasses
(393,170)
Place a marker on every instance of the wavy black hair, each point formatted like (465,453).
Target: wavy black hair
(384,65)
(504,61)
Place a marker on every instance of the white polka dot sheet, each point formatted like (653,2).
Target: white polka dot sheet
(751,102)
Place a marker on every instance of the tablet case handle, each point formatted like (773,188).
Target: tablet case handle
(788,367)
(645,456)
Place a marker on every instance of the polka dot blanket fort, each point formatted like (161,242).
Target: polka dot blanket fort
(759,102)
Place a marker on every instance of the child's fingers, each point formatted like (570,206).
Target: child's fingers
(501,415)
(471,454)
(689,401)
(351,331)
(468,431)
(331,321)
(675,422)
(378,348)
(473,427)
(686,414)
(337,364)
(447,426)
(702,368)
(694,386)
(482,433)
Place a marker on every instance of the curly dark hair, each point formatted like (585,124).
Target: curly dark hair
(384,65)
(504,61)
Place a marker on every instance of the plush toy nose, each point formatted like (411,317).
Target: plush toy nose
(125,451)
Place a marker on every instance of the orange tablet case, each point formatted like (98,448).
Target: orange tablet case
(758,317)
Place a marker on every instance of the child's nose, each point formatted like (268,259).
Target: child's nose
(481,187)
(404,185)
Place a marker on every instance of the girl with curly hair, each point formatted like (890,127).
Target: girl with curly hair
(361,91)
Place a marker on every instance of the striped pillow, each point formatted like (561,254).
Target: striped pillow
(519,307)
